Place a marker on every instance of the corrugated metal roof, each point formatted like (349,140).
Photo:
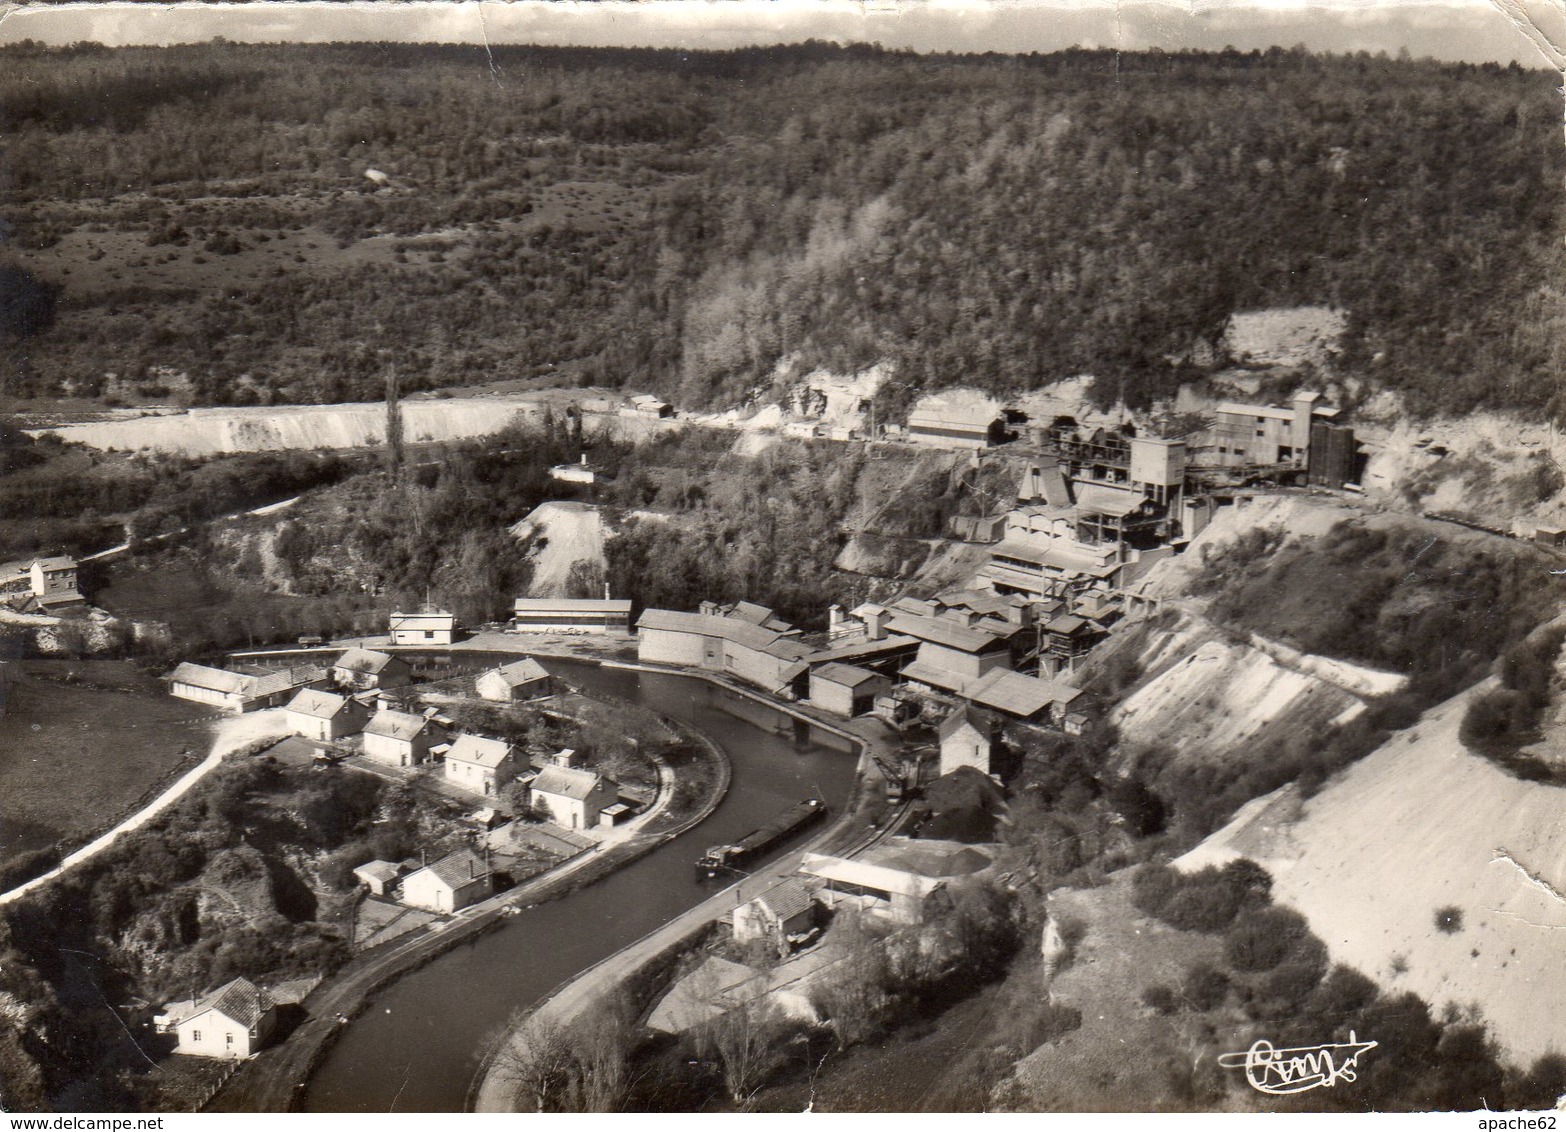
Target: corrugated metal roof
(1234,408)
(270,683)
(741,633)
(1020,695)
(788,899)
(1102,500)
(861,875)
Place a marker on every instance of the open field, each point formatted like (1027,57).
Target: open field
(80,745)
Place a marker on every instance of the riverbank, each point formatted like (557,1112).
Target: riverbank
(274,1081)
(865,820)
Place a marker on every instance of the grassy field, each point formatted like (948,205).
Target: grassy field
(83,741)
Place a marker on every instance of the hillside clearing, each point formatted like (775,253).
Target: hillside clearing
(1418,826)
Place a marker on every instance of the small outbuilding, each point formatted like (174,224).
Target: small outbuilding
(784,916)
(380,877)
(846,689)
(450,884)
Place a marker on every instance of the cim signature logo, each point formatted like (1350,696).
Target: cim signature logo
(1284,1071)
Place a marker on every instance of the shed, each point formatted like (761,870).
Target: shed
(846,689)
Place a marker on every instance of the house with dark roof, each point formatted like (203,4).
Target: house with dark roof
(484,766)
(450,884)
(49,581)
(574,798)
(524,679)
(235,1020)
(784,916)
(400,738)
(968,738)
(364,669)
(325,716)
(846,689)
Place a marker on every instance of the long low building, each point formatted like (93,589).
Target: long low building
(242,691)
(770,659)
(571,615)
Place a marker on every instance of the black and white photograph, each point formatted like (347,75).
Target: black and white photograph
(782,556)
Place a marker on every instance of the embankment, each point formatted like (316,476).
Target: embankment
(1428,869)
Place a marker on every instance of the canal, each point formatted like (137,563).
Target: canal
(417,1045)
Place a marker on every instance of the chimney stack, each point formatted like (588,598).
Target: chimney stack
(875,624)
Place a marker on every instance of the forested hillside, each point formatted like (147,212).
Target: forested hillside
(198,221)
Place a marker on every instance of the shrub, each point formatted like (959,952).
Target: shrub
(1205,986)
(1152,888)
(1261,938)
(1201,907)
(1449,919)
(1161,999)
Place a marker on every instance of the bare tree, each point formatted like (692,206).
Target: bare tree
(601,1045)
(856,997)
(745,1039)
(538,1059)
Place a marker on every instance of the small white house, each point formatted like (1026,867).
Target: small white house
(400,738)
(449,885)
(783,916)
(429,627)
(235,1020)
(363,669)
(325,716)
(510,683)
(574,799)
(484,766)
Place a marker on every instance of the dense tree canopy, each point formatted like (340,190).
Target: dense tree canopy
(686,221)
